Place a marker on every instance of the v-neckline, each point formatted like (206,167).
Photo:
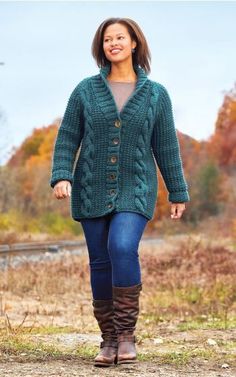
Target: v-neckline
(107,101)
(126,102)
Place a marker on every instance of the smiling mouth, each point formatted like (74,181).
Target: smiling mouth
(115,51)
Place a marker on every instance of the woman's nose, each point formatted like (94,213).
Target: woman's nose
(114,43)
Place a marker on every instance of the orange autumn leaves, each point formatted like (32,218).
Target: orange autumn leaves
(222,144)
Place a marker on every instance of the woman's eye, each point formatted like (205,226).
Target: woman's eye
(107,40)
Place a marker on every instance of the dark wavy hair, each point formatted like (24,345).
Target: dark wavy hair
(141,56)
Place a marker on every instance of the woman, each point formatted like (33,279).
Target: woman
(125,123)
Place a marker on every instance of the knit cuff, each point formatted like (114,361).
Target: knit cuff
(60,175)
(178,197)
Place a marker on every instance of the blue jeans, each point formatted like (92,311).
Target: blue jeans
(112,242)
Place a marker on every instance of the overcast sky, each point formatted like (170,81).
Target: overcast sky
(46,50)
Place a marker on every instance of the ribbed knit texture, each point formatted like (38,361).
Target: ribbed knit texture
(116,169)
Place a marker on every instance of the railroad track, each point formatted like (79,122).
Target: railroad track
(34,247)
(49,246)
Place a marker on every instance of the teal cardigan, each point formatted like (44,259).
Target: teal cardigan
(115,169)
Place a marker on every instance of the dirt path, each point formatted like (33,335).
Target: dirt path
(83,368)
(218,342)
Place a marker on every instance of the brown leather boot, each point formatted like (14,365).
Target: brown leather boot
(103,312)
(126,310)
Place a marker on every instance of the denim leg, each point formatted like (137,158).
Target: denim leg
(125,231)
(96,234)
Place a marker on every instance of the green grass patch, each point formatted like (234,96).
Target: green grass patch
(181,358)
(19,347)
(26,350)
(87,351)
(207,323)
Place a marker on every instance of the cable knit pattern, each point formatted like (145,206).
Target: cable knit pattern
(140,167)
(140,175)
(87,168)
(116,167)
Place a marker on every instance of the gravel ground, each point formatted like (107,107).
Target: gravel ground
(19,366)
(84,368)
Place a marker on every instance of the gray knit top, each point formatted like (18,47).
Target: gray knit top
(121,91)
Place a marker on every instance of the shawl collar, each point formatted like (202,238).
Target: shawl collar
(105,98)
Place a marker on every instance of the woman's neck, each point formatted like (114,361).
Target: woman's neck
(122,73)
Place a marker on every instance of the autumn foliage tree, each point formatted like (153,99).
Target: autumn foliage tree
(222,144)
(31,165)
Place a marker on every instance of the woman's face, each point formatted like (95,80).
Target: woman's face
(117,43)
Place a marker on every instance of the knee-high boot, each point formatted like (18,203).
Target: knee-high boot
(126,311)
(103,312)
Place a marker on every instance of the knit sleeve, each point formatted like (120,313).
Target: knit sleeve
(69,136)
(166,150)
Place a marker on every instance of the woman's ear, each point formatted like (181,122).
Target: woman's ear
(134,44)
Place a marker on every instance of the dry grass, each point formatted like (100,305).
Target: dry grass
(190,281)
(195,280)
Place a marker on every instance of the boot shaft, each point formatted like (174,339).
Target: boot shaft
(103,311)
(126,308)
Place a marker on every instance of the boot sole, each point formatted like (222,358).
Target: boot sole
(103,365)
(128,361)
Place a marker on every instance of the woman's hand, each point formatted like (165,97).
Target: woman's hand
(62,189)
(176,210)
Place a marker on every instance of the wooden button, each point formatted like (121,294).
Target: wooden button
(113,159)
(117,123)
(112,176)
(115,141)
(112,191)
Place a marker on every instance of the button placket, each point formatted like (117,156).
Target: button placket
(113,160)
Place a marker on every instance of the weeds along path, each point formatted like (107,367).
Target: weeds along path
(203,353)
